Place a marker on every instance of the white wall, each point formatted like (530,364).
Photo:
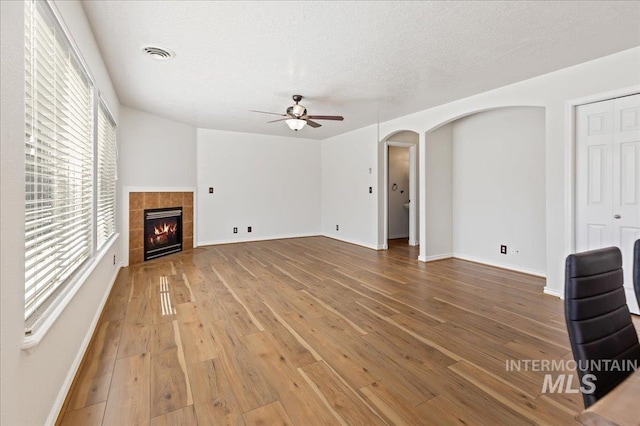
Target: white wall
(155,151)
(438,205)
(499,188)
(349,168)
(270,183)
(34,383)
(551,91)
(399,175)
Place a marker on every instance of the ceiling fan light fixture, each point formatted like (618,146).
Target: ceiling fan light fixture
(298,110)
(295,123)
(296,116)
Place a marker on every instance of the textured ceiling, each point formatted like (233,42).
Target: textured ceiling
(367,61)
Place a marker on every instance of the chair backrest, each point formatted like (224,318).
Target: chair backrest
(598,319)
(636,270)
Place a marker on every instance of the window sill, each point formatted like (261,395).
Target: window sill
(30,342)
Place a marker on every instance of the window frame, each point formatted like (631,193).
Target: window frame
(100,102)
(66,289)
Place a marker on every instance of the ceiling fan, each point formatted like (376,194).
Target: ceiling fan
(296,116)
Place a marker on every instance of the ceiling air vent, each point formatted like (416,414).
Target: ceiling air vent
(158,53)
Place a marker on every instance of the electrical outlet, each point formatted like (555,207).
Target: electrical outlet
(249,229)
(114,259)
(337,227)
(370,190)
(503,249)
(211,190)
(235,230)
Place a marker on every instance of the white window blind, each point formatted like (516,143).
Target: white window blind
(58,163)
(106,177)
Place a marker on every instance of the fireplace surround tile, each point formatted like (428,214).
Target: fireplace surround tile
(175,199)
(136,201)
(187,228)
(136,256)
(164,199)
(187,212)
(136,219)
(151,200)
(136,239)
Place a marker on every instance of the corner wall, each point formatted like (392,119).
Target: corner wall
(155,151)
(349,168)
(499,188)
(438,205)
(156,155)
(271,183)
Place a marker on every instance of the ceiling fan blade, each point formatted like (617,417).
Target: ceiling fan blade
(272,113)
(326,117)
(313,123)
(280,119)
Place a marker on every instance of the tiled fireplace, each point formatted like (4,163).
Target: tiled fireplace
(152,201)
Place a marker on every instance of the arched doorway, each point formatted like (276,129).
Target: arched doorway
(484,189)
(399,207)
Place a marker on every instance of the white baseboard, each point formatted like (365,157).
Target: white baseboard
(283,237)
(64,390)
(435,257)
(500,265)
(397,236)
(251,239)
(552,292)
(356,242)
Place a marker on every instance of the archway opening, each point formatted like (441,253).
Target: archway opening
(484,189)
(399,205)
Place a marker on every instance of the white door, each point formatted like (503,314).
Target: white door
(608,180)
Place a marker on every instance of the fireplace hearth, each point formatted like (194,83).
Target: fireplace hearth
(162,232)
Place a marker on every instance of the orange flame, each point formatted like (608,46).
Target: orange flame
(165,228)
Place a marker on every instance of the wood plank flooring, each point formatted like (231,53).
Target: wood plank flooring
(315,331)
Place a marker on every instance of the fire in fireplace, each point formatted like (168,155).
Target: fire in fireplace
(162,232)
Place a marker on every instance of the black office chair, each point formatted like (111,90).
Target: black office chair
(598,320)
(636,270)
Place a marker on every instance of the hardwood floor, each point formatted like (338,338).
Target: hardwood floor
(315,331)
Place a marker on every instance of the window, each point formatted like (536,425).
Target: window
(106,176)
(62,181)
